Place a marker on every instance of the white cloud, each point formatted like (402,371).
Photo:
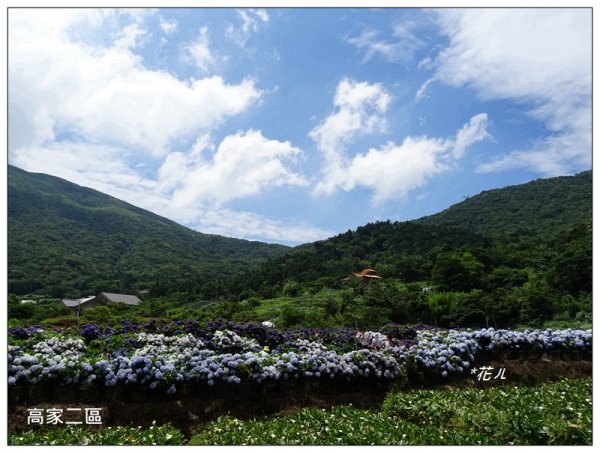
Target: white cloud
(95,112)
(186,189)
(262,15)
(540,58)
(131,36)
(359,107)
(426,63)
(168,26)
(253,226)
(401,48)
(244,164)
(474,131)
(251,21)
(393,170)
(554,155)
(101,167)
(199,52)
(105,93)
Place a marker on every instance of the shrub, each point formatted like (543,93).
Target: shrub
(551,414)
(61,321)
(119,435)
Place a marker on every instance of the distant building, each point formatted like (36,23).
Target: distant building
(77,305)
(119,298)
(365,274)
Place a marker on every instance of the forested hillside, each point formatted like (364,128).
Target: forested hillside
(64,239)
(526,226)
(402,250)
(519,255)
(543,209)
(522,254)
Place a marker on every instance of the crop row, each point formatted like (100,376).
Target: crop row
(163,361)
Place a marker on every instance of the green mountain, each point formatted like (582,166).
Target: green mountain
(64,239)
(518,255)
(503,234)
(539,209)
(403,250)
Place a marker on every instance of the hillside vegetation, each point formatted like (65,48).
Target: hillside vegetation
(522,254)
(518,255)
(524,226)
(64,239)
(402,250)
(540,209)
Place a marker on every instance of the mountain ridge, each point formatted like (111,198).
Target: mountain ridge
(50,221)
(509,227)
(489,213)
(96,241)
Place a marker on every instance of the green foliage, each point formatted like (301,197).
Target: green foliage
(571,269)
(291,317)
(464,309)
(99,315)
(119,435)
(37,312)
(66,239)
(536,300)
(342,425)
(539,209)
(457,271)
(60,321)
(513,275)
(20,311)
(404,250)
(556,413)
(552,414)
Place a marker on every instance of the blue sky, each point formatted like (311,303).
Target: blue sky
(292,125)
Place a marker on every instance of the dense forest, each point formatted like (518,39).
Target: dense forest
(68,240)
(543,208)
(518,255)
(526,227)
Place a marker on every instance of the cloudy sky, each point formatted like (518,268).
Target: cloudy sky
(292,125)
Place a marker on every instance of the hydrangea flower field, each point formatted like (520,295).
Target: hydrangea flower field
(165,357)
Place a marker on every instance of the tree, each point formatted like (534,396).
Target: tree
(457,271)
(536,298)
(213,290)
(19,310)
(291,288)
(571,269)
(291,316)
(100,314)
(436,304)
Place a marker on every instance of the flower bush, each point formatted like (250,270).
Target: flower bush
(226,340)
(165,357)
